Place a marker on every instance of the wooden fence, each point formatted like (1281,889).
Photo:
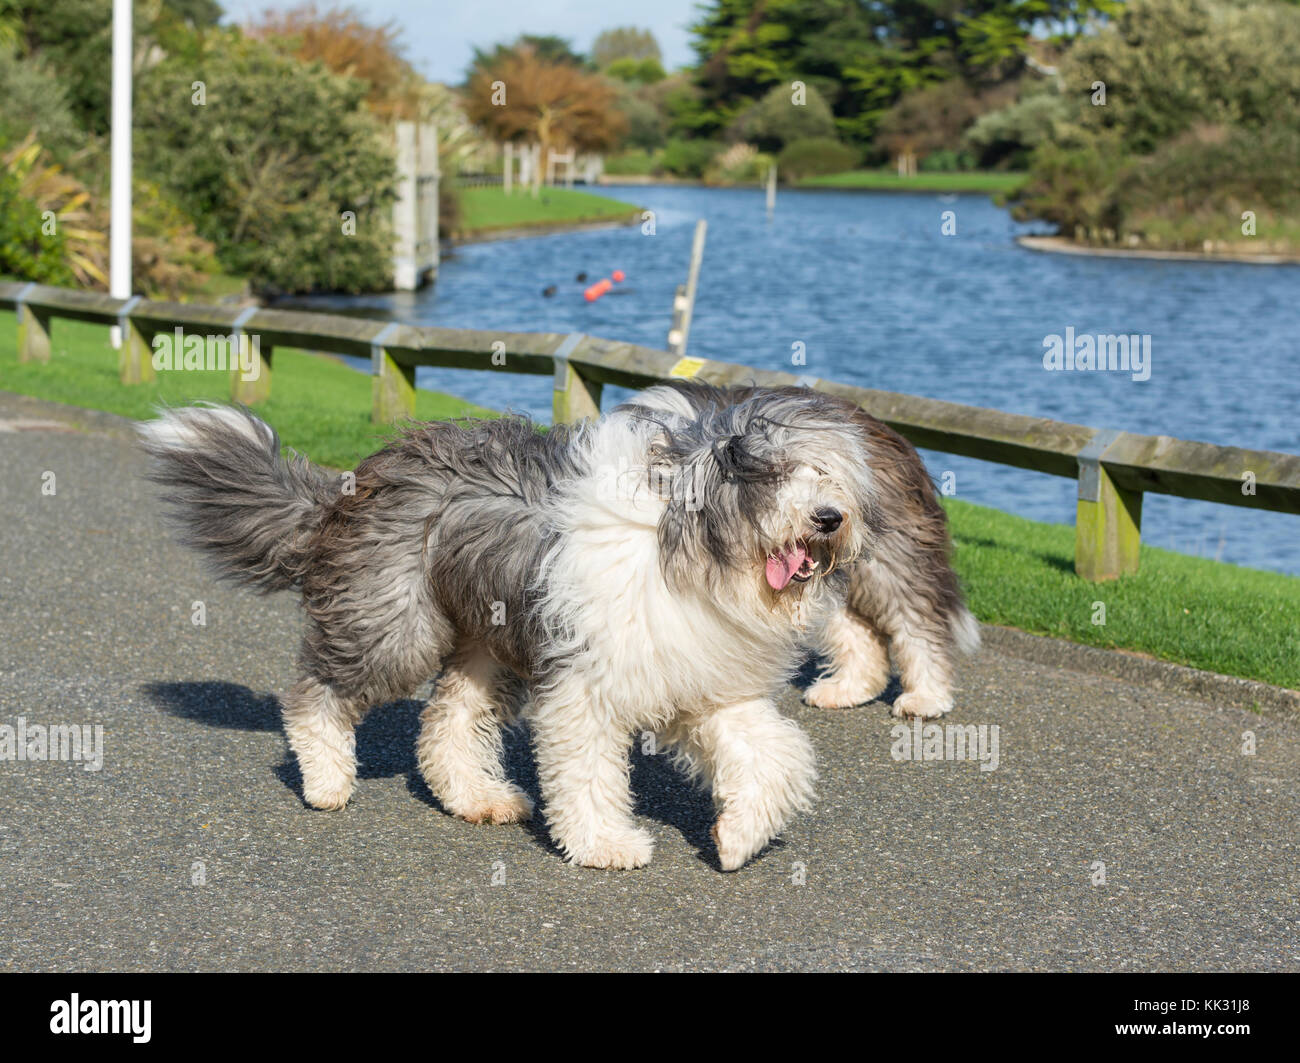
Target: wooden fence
(1113,468)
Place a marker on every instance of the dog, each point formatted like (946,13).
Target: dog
(904,599)
(646,571)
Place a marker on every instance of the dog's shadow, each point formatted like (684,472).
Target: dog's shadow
(386,749)
(812,671)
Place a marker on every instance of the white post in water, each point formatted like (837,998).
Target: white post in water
(119,248)
(684,300)
(771,190)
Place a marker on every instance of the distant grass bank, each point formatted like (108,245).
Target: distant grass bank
(318,405)
(1190,610)
(1018,573)
(488,209)
(889,181)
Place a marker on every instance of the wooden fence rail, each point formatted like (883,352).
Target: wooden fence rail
(1113,468)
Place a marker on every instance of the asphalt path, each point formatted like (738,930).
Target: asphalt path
(1123,828)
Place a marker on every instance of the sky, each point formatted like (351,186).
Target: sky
(440,35)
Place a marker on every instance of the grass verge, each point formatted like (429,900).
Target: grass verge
(489,209)
(889,181)
(1017,572)
(318,405)
(1190,610)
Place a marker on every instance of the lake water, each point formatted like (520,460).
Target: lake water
(879,297)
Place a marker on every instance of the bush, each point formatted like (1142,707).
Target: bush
(25,251)
(168,257)
(632,164)
(1007,138)
(272,164)
(739,164)
(776,121)
(688,158)
(947,161)
(645,122)
(35,100)
(814,156)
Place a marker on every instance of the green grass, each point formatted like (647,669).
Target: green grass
(1194,611)
(889,181)
(489,208)
(1018,573)
(318,405)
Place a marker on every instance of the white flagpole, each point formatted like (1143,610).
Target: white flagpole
(119,250)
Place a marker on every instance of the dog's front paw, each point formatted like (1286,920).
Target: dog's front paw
(618,852)
(328,794)
(509,805)
(738,837)
(916,705)
(836,693)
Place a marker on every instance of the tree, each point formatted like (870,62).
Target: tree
(624,42)
(521,97)
(342,40)
(548,49)
(863,55)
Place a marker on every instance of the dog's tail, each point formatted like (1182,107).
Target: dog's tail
(233,496)
(965,630)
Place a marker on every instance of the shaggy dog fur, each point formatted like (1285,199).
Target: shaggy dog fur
(651,571)
(904,598)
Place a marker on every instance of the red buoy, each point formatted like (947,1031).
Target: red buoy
(618,275)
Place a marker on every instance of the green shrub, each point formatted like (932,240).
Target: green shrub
(814,156)
(775,120)
(947,161)
(739,164)
(632,164)
(282,166)
(688,158)
(25,251)
(34,99)
(1007,138)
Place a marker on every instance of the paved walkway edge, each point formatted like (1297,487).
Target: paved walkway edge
(1248,694)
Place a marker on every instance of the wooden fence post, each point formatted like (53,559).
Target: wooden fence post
(392,386)
(33,330)
(574,398)
(258,385)
(135,357)
(1108,521)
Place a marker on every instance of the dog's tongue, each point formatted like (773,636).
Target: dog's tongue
(782,566)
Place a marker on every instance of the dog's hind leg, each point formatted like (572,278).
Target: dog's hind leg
(760,766)
(582,761)
(320,724)
(459,748)
(857,662)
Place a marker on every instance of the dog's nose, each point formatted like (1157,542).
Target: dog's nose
(826,519)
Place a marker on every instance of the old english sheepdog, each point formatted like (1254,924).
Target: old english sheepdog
(661,569)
